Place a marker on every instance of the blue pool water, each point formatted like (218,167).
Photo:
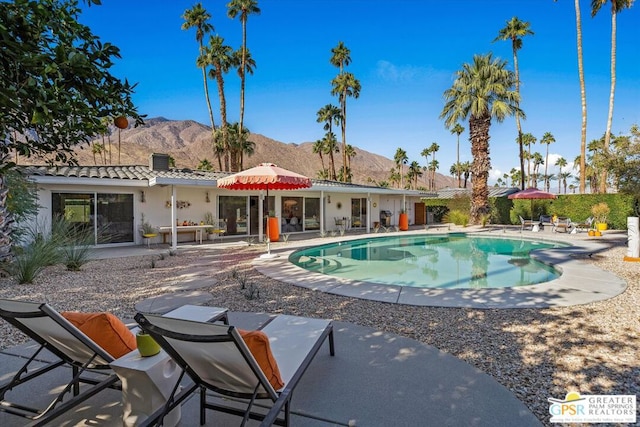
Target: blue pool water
(431,261)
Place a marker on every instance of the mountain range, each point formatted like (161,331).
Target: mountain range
(189,142)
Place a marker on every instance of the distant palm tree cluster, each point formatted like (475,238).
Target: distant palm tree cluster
(229,140)
(344,85)
(485,90)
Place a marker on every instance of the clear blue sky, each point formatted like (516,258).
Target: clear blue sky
(405,54)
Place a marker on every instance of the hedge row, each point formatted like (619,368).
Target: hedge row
(574,206)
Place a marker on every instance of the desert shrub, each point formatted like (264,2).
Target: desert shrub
(75,243)
(29,259)
(457,217)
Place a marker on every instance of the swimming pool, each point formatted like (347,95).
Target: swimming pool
(431,261)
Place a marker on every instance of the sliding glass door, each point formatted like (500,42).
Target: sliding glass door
(108,215)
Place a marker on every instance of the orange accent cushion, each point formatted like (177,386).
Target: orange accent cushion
(258,344)
(104,329)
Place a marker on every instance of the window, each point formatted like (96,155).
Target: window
(312,213)
(233,210)
(358,212)
(110,216)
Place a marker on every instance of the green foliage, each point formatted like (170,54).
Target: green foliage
(600,212)
(22,200)
(500,208)
(457,217)
(578,208)
(75,243)
(54,80)
(31,259)
(623,161)
(146,227)
(574,206)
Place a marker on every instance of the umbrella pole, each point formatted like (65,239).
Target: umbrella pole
(268,236)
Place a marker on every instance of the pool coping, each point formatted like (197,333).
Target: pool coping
(580,282)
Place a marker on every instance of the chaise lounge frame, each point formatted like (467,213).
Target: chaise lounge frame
(186,341)
(54,333)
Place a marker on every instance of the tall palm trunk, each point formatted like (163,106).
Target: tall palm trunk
(583,101)
(343,123)
(607,135)
(228,155)
(206,95)
(518,125)
(479,135)
(458,161)
(243,73)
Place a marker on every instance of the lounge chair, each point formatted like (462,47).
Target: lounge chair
(562,224)
(586,225)
(526,223)
(54,333)
(217,359)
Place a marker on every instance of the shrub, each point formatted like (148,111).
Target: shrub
(40,251)
(600,212)
(457,217)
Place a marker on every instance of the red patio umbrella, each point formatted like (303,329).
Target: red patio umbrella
(532,194)
(265,176)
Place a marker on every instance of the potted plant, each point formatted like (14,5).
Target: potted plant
(148,231)
(600,213)
(210,220)
(403,220)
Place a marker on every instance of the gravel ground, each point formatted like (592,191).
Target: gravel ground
(535,353)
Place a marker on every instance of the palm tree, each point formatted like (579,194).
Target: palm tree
(561,162)
(458,129)
(563,177)
(395,177)
(220,57)
(426,153)
(329,114)
(243,8)
(482,91)
(205,165)
(345,85)
(318,148)
(239,144)
(415,172)
(514,31)
(616,6)
(351,153)
(528,140)
(515,176)
(401,159)
(433,149)
(341,56)
(537,161)
(197,18)
(330,147)
(547,139)
(433,166)
(583,98)
(466,171)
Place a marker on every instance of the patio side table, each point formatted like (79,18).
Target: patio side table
(147,382)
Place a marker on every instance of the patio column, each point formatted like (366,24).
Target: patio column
(261,217)
(174,229)
(368,218)
(322,202)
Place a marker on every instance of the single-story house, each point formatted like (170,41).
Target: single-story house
(113,200)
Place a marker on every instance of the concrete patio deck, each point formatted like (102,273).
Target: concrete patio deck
(375,379)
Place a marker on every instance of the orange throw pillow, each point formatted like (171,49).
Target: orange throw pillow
(104,329)
(258,344)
